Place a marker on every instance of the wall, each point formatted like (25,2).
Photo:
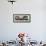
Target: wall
(37,27)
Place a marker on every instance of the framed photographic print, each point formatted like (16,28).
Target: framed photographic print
(21,18)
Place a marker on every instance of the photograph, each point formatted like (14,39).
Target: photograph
(21,18)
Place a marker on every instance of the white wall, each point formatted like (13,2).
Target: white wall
(37,27)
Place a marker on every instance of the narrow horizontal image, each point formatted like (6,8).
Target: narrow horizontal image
(21,18)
